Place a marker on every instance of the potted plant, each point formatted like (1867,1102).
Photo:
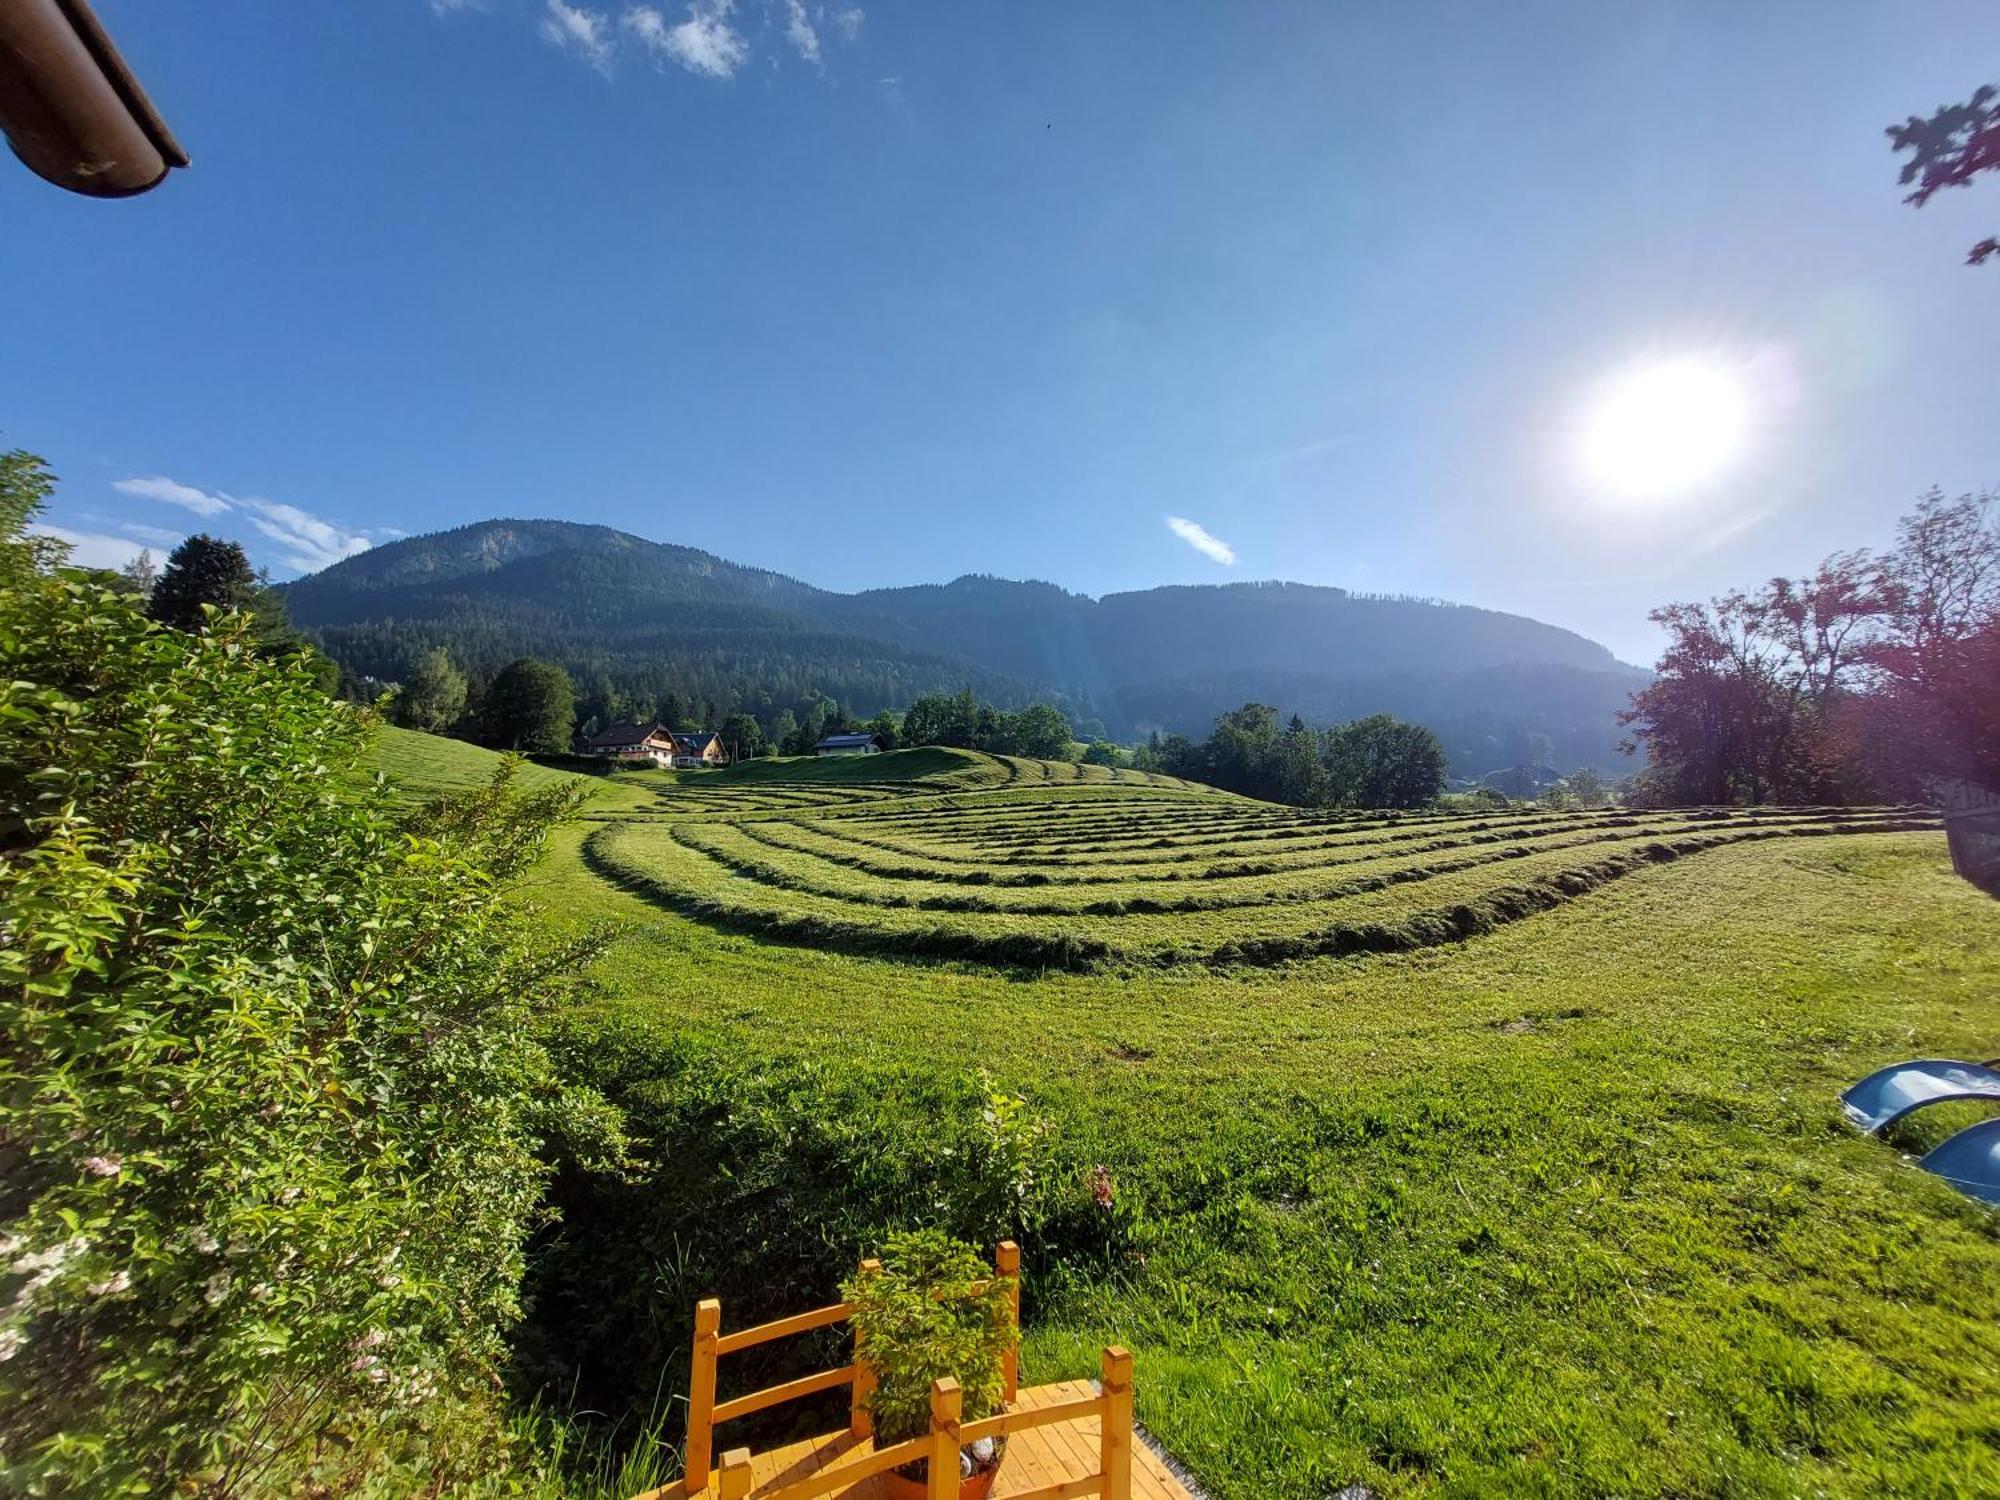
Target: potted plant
(933,1309)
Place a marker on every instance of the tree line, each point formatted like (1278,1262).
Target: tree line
(1868,680)
(1040,730)
(532,706)
(1376,761)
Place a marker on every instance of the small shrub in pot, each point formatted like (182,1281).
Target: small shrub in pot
(933,1309)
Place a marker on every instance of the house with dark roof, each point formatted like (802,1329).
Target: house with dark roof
(849,744)
(634,744)
(700,747)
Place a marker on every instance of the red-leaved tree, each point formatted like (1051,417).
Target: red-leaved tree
(1873,677)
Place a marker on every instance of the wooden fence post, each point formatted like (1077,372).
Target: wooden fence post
(1117,1426)
(947,1401)
(736,1474)
(1007,1262)
(860,1423)
(701,1397)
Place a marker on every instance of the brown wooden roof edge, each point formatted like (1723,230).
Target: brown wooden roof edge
(73,111)
(121,78)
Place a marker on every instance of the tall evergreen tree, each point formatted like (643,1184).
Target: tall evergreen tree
(202,570)
(1297,776)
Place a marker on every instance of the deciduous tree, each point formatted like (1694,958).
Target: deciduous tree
(742,737)
(1381,762)
(1862,680)
(530,706)
(433,694)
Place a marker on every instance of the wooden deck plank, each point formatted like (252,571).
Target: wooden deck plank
(1074,1449)
(1045,1456)
(1041,1456)
(1028,1466)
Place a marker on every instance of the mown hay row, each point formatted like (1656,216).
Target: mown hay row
(890,860)
(916,888)
(1083,949)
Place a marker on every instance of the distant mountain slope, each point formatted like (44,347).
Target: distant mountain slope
(530,563)
(653,616)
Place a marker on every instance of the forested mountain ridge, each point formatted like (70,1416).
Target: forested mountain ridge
(529,561)
(656,617)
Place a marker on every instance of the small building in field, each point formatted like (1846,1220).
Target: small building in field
(702,747)
(849,744)
(633,744)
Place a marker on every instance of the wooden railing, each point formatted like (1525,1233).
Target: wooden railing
(1112,1407)
(948,1434)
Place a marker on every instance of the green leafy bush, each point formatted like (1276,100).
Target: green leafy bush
(784,1172)
(270,1107)
(934,1309)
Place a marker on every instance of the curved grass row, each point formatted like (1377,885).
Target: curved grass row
(1177,844)
(829,873)
(1257,880)
(1379,886)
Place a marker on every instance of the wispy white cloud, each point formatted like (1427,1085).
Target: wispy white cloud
(585,33)
(649,26)
(704,43)
(1198,537)
(305,541)
(707,42)
(159,487)
(799,31)
(91,549)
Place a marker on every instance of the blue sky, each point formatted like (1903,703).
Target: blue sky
(878,294)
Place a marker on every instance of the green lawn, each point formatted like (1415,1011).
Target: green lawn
(422,765)
(1563,1209)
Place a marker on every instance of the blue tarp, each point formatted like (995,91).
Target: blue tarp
(1888,1094)
(1970,1161)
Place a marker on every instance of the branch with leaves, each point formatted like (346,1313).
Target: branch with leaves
(1949,149)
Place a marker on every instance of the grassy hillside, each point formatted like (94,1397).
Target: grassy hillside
(1565,1208)
(423,765)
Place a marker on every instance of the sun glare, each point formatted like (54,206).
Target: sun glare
(1664,428)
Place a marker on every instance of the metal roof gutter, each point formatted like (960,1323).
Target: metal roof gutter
(71,109)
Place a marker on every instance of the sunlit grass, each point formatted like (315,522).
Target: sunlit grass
(1565,1209)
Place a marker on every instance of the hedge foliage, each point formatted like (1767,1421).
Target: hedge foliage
(271,1113)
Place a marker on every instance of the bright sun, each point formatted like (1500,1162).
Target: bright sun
(1663,428)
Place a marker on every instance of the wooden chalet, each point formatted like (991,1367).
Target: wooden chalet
(700,747)
(649,744)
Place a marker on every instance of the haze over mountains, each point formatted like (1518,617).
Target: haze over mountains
(652,617)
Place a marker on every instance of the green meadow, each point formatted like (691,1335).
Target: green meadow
(1454,1155)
